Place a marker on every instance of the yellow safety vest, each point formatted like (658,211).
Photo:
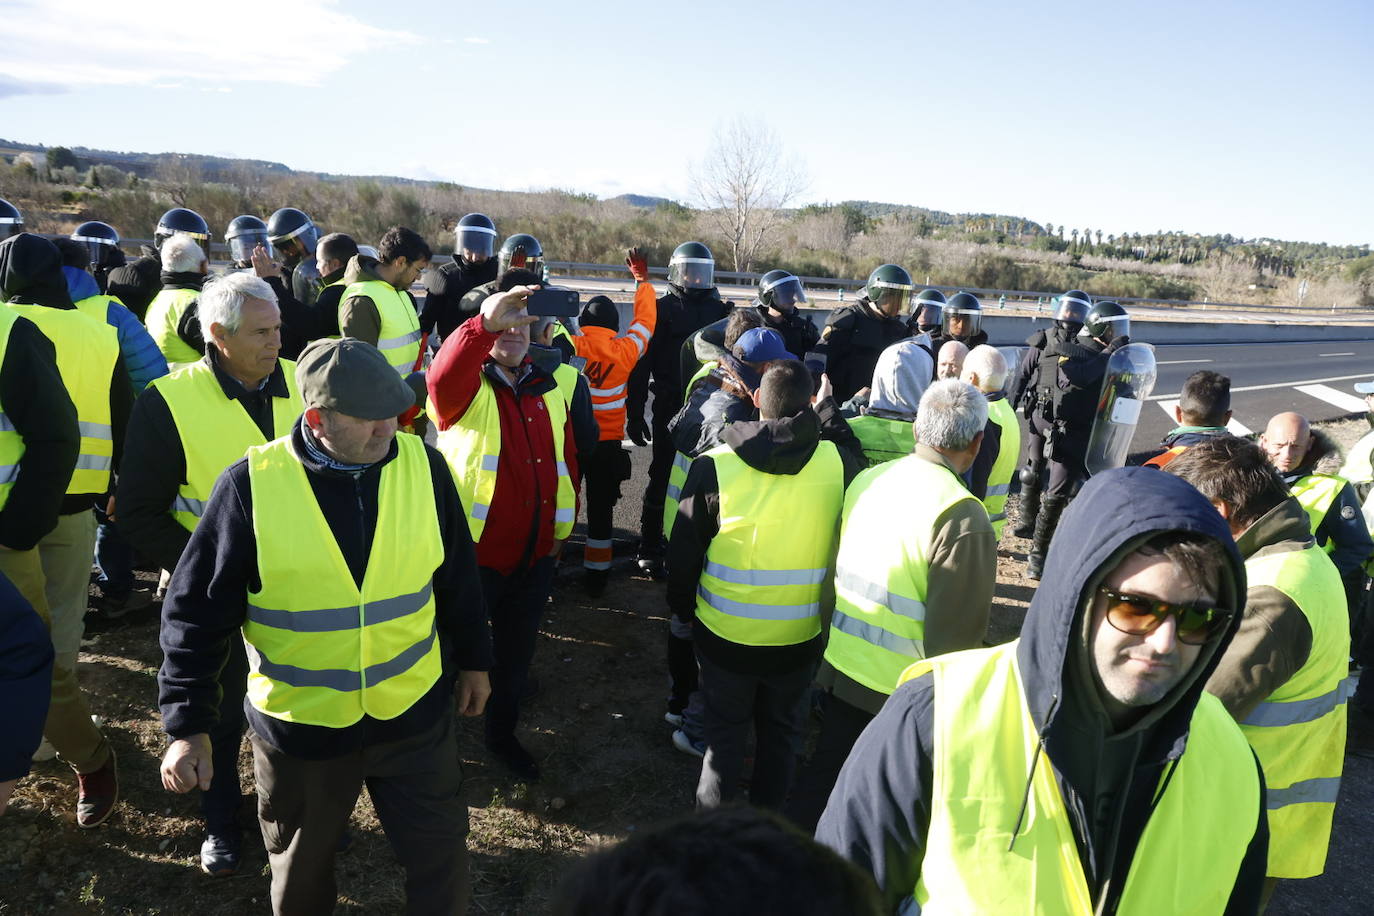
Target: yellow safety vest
(215,430)
(472,447)
(97,307)
(999,479)
(890,511)
(565,377)
(399,337)
(700,374)
(321,651)
(761,585)
(11,443)
(883,438)
(87,352)
(1298,732)
(1317,493)
(1359,461)
(985,745)
(164,313)
(677,478)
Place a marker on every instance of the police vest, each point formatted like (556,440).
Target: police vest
(472,447)
(163,316)
(761,585)
(87,352)
(978,859)
(215,430)
(11,443)
(1298,732)
(878,627)
(883,438)
(999,478)
(399,336)
(1317,493)
(321,651)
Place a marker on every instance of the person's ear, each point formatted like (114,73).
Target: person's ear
(313,418)
(757,397)
(1178,415)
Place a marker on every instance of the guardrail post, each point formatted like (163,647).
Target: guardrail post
(1002,302)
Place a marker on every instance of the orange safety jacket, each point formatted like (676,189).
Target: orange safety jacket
(610,359)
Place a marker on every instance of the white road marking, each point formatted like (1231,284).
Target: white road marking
(1335,354)
(1179,362)
(1332,396)
(1235,427)
(1292,384)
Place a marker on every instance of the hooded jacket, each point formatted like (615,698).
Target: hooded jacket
(136,282)
(142,358)
(723,397)
(1343,524)
(879,812)
(900,377)
(852,340)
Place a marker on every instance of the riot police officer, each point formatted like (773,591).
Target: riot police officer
(11,220)
(1107,325)
(246,233)
(447,284)
(961,319)
(102,245)
(293,236)
(780,295)
(855,334)
(928,314)
(692,302)
(138,281)
(519,250)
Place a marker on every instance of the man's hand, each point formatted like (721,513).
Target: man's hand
(637,428)
(186,765)
(638,264)
(472,691)
(263,265)
(824,389)
(503,311)
(109,507)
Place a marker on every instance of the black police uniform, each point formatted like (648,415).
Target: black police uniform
(799,334)
(445,287)
(854,336)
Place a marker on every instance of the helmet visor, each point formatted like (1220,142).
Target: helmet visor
(891,298)
(928,314)
(786,293)
(298,243)
(1072,309)
(241,246)
(163,234)
(475,243)
(1115,325)
(961,323)
(692,273)
(101,250)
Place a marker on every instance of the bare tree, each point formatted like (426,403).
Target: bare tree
(744,183)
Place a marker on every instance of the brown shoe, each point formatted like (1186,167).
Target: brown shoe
(97,793)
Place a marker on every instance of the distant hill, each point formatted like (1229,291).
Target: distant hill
(639,200)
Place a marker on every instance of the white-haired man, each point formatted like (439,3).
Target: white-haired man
(951,358)
(187,428)
(171,315)
(989,479)
(914,577)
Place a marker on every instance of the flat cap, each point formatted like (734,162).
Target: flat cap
(352,377)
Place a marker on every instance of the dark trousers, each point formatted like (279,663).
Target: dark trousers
(304,806)
(775,706)
(114,557)
(219,804)
(1066,463)
(841,728)
(515,605)
(608,467)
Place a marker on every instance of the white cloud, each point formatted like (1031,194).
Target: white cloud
(74,44)
(477,41)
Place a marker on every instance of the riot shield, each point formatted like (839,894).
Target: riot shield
(305,281)
(1013,356)
(1129,379)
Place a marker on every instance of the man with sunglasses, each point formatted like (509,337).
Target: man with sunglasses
(1283,677)
(1081,768)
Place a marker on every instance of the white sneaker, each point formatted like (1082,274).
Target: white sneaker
(682,742)
(675,719)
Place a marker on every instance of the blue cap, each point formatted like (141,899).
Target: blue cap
(762,345)
(1364,387)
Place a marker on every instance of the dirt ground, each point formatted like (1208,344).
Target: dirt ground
(596,724)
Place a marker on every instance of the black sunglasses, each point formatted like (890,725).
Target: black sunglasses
(1137,615)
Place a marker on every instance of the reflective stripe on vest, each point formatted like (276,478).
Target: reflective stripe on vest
(883,438)
(761,584)
(1004,467)
(321,650)
(1298,732)
(1317,493)
(163,315)
(472,448)
(700,374)
(11,443)
(890,513)
(979,859)
(399,336)
(215,430)
(87,351)
(677,477)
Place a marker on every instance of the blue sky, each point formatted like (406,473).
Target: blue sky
(1249,118)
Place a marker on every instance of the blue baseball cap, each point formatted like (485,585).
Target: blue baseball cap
(1365,387)
(762,345)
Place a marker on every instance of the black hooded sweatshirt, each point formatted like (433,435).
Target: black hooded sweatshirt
(879,812)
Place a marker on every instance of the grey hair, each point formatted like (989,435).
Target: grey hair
(990,365)
(951,414)
(221,302)
(181,254)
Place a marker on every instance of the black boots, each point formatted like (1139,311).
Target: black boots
(651,546)
(1045,523)
(1029,506)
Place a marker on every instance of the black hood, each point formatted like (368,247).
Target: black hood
(182,279)
(780,446)
(31,272)
(1116,511)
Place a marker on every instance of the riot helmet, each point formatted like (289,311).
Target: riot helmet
(1071,310)
(780,290)
(962,316)
(521,250)
(930,306)
(889,288)
(292,234)
(1107,321)
(692,267)
(474,238)
(102,244)
(11,220)
(180,221)
(243,235)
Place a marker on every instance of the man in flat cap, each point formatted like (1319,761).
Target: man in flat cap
(341,555)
